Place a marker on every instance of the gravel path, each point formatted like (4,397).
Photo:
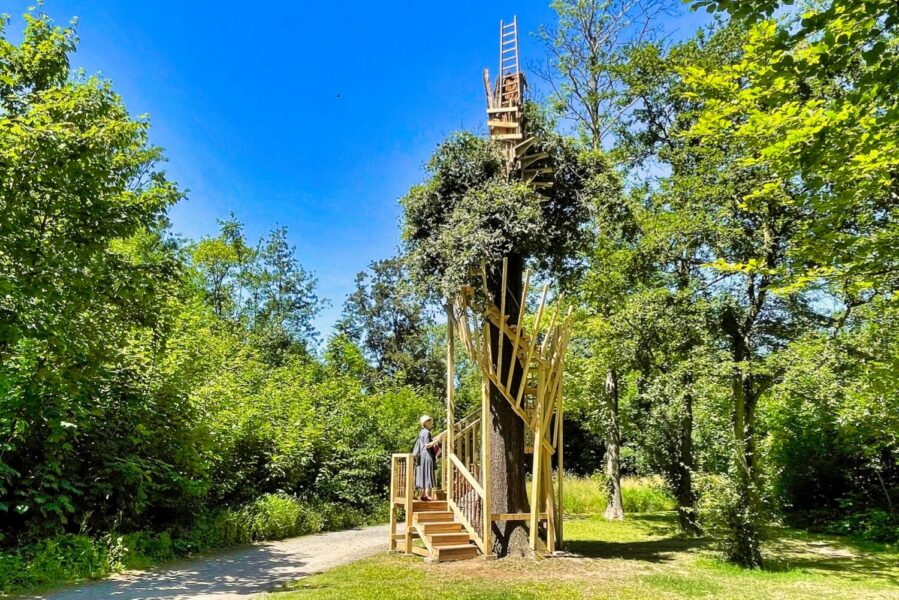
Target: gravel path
(237,573)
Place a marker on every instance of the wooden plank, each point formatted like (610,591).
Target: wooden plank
(450,399)
(533,340)
(464,471)
(463,520)
(517,516)
(540,185)
(392,544)
(502,318)
(530,159)
(504,124)
(521,311)
(523,146)
(508,136)
(486,430)
(502,109)
(410,490)
(560,448)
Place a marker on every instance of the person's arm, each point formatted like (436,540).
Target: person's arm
(432,443)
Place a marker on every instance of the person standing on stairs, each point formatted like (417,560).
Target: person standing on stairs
(425,451)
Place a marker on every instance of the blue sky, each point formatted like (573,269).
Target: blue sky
(318,116)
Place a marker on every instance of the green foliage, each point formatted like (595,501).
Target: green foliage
(468,212)
(732,519)
(391,323)
(586,495)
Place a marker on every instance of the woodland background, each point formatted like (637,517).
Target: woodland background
(732,254)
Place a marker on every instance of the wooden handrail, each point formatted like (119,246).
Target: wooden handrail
(462,469)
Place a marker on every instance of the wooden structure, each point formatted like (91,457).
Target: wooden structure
(525,368)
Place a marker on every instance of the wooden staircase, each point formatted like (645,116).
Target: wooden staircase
(443,537)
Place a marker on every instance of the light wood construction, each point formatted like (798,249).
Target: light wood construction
(526,370)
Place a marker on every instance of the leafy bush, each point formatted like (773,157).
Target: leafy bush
(873,525)
(735,524)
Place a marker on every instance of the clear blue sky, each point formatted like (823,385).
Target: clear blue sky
(314,115)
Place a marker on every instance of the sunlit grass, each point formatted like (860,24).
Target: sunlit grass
(587,495)
(642,557)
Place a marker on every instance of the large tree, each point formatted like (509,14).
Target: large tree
(468,212)
(390,321)
(84,276)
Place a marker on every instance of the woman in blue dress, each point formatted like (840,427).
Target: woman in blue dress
(425,478)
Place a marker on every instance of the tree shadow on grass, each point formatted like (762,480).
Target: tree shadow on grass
(654,551)
(834,557)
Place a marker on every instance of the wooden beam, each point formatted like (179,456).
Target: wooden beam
(486,475)
(502,320)
(502,109)
(507,136)
(530,159)
(521,312)
(450,400)
(527,361)
(504,124)
(517,516)
(410,491)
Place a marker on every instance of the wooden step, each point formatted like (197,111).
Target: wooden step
(457,552)
(442,527)
(421,505)
(433,516)
(441,495)
(456,538)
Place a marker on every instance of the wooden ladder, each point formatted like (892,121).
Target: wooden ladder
(509,71)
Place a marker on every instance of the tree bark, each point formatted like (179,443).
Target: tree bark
(508,486)
(615,505)
(747,549)
(684,494)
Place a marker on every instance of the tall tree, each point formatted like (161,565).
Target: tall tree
(84,274)
(467,212)
(387,317)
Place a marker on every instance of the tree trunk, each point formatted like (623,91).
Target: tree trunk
(508,487)
(615,506)
(746,549)
(684,495)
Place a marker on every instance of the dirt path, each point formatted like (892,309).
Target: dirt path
(237,573)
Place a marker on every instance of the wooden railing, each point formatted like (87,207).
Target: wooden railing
(466,499)
(402,488)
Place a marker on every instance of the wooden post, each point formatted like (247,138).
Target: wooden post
(502,328)
(486,429)
(450,401)
(536,472)
(410,490)
(560,449)
(392,499)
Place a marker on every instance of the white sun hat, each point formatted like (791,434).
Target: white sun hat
(424,419)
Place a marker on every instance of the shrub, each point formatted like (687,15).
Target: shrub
(735,524)
(874,525)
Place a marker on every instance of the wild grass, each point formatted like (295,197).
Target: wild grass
(587,495)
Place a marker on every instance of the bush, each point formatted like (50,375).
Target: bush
(735,524)
(872,525)
(269,517)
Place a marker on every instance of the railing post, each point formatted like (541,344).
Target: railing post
(410,490)
(392,499)
(450,402)
(487,503)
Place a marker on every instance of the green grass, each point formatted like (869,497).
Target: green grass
(642,557)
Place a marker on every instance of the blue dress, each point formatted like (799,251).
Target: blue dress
(424,472)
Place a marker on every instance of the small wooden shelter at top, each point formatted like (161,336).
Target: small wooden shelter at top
(458,524)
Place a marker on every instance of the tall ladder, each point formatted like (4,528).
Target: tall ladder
(509,71)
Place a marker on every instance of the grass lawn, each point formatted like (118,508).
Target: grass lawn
(642,557)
